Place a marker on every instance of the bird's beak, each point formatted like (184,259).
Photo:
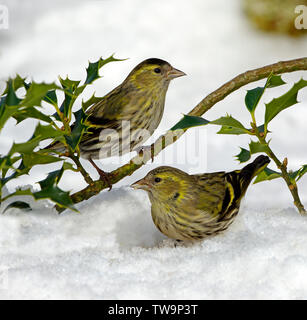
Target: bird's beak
(174,73)
(141,184)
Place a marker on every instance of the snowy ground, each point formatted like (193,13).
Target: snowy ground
(112,249)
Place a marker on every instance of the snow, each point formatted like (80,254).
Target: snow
(111,249)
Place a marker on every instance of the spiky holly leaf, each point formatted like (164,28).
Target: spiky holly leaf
(9,104)
(68,83)
(21,170)
(253,97)
(274,81)
(27,113)
(6,163)
(36,93)
(273,108)
(231,130)
(41,133)
(243,156)
(46,132)
(50,190)
(301,172)
(93,68)
(18,205)
(16,83)
(256,147)
(53,178)
(78,129)
(71,92)
(36,158)
(51,97)
(55,194)
(230,125)
(267,174)
(11,98)
(188,122)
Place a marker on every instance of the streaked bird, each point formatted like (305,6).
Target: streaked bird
(193,207)
(127,116)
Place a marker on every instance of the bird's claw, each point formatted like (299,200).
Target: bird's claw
(105,176)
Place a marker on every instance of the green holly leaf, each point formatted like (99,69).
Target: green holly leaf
(243,156)
(53,178)
(273,108)
(267,174)
(36,158)
(9,104)
(93,68)
(6,163)
(16,83)
(51,97)
(274,81)
(6,113)
(256,147)
(230,125)
(301,172)
(11,98)
(55,194)
(21,170)
(46,132)
(41,133)
(27,113)
(36,93)
(188,122)
(231,130)
(18,205)
(69,84)
(78,129)
(253,97)
(50,190)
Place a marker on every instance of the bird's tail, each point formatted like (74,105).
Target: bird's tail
(240,179)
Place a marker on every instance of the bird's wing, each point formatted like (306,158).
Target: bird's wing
(110,106)
(215,193)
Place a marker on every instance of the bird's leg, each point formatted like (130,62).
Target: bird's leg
(103,175)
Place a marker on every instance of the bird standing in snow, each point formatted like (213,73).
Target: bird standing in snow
(193,207)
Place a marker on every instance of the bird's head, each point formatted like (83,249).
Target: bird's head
(153,72)
(165,183)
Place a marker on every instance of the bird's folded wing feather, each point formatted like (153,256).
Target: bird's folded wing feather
(215,193)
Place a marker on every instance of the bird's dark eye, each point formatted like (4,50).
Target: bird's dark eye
(176,195)
(157,179)
(157,70)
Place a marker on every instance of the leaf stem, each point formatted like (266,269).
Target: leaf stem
(292,186)
(76,160)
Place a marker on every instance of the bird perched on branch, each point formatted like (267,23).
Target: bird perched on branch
(193,207)
(127,116)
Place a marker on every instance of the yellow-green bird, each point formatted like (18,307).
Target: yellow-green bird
(128,115)
(193,207)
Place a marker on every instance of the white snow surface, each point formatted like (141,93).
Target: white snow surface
(111,249)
